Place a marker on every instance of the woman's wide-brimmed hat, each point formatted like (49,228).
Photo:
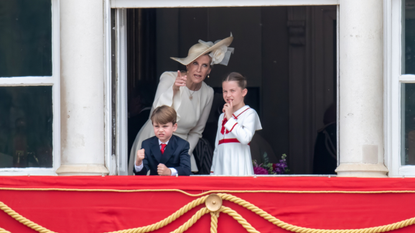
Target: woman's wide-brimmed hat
(218,51)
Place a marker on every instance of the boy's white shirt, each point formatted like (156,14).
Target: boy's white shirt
(140,167)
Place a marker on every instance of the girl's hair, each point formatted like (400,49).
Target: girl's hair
(237,77)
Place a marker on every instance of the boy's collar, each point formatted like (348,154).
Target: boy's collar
(163,142)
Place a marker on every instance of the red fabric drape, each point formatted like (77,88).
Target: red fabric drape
(103,211)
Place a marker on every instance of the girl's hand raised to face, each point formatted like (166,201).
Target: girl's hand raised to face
(180,81)
(228,109)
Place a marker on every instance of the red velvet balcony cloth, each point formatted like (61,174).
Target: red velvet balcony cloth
(99,204)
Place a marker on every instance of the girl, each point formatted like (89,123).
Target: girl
(236,127)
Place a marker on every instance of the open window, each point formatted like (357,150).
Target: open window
(29,87)
(400,87)
(288,54)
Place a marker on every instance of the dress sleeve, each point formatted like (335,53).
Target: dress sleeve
(215,151)
(164,93)
(218,132)
(244,130)
(196,132)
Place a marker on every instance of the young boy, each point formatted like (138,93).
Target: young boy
(164,154)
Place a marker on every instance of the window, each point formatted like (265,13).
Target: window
(400,88)
(29,87)
(260,63)
(408,89)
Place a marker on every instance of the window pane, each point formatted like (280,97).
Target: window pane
(409,38)
(408,124)
(25,38)
(26,126)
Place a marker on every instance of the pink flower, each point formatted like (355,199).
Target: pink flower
(260,171)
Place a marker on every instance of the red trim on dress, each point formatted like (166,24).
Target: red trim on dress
(233,127)
(236,117)
(224,130)
(229,140)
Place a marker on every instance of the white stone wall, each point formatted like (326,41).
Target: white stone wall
(361,88)
(82,91)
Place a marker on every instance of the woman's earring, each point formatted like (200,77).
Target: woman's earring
(208,76)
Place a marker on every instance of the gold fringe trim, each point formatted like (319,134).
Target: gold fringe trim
(214,219)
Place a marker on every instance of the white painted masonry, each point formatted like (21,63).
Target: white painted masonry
(361,89)
(82,88)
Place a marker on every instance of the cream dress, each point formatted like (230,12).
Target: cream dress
(192,113)
(232,155)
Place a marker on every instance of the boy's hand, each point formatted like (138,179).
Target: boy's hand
(140,157)
(162,170)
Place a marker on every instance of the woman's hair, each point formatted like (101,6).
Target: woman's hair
(237,77)
(163,115)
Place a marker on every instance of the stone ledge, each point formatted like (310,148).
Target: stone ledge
(361,170)
(82,170)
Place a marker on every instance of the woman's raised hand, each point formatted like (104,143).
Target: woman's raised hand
(180,81)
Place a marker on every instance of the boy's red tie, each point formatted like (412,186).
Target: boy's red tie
(162,148)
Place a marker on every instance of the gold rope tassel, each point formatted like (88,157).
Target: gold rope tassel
(213,222)
(167,220)
(214,205)
(293,228)
(238,218)
(4,231)
(23,220)
(192,220)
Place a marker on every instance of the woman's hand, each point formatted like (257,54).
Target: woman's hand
(180,81)
(228,109)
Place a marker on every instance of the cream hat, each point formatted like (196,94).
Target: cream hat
(218,51)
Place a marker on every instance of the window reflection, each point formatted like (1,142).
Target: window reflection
(409,45)
(26,126)
(25,38)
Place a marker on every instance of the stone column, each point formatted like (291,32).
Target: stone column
(361,89)
(82,91)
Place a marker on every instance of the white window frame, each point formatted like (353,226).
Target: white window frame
(53,81)
(121,158)
(393,82)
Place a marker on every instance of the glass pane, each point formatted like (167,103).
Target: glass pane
(408,66)
(25,38)
(408,124)
(26,126)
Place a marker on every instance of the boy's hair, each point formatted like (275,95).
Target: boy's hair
(163,115)
(237,77)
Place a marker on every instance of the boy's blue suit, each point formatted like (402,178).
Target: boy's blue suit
(176,155)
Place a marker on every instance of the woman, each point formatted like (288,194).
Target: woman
(187,93)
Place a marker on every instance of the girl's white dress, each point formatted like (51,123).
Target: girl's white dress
(232,155)
(192,107)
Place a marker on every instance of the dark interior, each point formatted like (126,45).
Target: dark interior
(288,55)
